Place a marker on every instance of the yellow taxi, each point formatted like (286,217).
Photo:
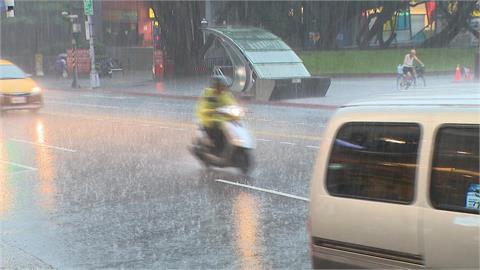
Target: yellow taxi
(17,90)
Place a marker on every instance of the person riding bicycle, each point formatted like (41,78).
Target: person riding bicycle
(214,97)
(408,67)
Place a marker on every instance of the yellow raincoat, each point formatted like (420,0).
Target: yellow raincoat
(209,102)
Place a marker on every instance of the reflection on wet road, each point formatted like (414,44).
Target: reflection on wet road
(45,161)
(246,233)
(111,184)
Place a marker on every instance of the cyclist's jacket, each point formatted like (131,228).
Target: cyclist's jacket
(209,102)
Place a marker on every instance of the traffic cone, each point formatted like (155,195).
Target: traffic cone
(468,74)
(458,74)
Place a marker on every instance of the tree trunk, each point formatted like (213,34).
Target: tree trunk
(455,23)
(180,31)
(388,10)
(393,34)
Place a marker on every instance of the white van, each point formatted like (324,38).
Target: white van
(396,184)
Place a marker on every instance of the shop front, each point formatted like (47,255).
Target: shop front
(126,24)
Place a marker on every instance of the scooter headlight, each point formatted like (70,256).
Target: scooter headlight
(237,111)
(232,110)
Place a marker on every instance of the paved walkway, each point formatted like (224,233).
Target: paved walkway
(341,91)
(345,90)
(139,82)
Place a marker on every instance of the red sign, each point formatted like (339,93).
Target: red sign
(158,68)
(83,61)
(158,57)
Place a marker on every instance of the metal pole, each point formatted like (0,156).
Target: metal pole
(94,80)
(476,68)
(208,11)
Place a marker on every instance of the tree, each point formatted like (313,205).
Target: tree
(180,30)
(281,18)
(456,15)
(37,27)
(383,12)
(180,23)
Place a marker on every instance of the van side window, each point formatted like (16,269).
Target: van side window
(374,161)
(455,180)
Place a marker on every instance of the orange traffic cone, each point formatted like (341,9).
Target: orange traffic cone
(458,74)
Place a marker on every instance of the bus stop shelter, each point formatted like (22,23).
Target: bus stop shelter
(263,66)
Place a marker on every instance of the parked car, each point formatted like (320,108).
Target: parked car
(397,184)
(17,90)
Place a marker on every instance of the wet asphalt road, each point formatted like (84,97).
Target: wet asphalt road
(106,181)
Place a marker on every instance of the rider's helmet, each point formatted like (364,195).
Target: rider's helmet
(219,82)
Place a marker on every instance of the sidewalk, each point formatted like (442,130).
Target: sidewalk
(341,91)
(345,90)
(132,83)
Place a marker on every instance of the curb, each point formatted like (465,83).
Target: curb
(194,98)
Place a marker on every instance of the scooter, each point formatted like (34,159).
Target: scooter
(104,67)
(238,143)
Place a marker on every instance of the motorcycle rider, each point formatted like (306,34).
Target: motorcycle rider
(214,97)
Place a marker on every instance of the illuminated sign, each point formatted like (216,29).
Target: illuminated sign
(151,13)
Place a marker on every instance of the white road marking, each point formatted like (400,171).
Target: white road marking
(108,97)
(313,146)
(287,143)
(84,105)
(20,172)
(18,165)
(263,140)
(43,145)
(264,190)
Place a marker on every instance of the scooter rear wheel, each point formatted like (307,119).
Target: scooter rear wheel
(196,153)
(243,160)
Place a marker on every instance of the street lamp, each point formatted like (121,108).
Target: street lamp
(76,29)
(203,25)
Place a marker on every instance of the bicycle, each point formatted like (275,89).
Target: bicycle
(404,81)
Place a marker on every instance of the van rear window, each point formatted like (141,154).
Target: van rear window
(374,161)
(455,180)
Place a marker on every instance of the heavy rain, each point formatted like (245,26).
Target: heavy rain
(189,134)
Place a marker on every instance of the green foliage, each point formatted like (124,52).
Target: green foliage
(37,27)
(27,11)
(383,61)
(54,49)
